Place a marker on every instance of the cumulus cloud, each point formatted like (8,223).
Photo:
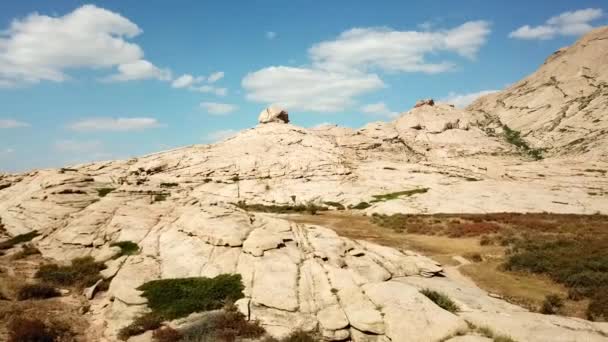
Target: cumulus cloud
(308,89)
(12,123)
(463,100)
(216,76)
(209,89)
(379,109)
(572,23)
(270,35)
(344,68)
(404,51)
(216,108)
(44,48)
(113,124)
(183,81)
(220,135)
(140,70)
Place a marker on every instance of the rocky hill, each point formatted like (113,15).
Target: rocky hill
(186,209)
(562,106)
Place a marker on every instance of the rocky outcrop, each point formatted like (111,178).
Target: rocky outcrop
(273,114)
(561,107)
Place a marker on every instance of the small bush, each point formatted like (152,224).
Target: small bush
(140,325)
(32,330)
(174,298)
(26,250)
(168,185)
(160,197)
(102,192)
(126,248)
(336,205)
(514,137)
(82,272)
(552,304)
(227,325)
(37,291)
(361,206)
(442,300)
(310,208)
(166,334)
(395,195)
(18,239)
(485,240)
(598,308)
(474,257)
(489,333)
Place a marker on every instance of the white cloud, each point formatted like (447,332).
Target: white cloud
(113,124)
(140,70)
(270,35)
(211,89)
(379,109)
(12,123)
(308,89)
(463,100)
(218,108)
(183,81)
(404,51)
(40,47)
(220,135)
(572,23)
(216,76)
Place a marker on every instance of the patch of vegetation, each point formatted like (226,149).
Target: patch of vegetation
(140,325)
(489,333)
(126,248)
(360,206)
(168,185)
(37,291)
(70,192)
(474,257)
(175,298)
(160,197)
(552,304)
(336,205)
(26,250)
(395,195)
(514,137)
(82,272)
(21,238)
(598,308)
(223,326)
(310,208)
(166,334)
(34,330)
(441,299)
(297,336)
(102,192)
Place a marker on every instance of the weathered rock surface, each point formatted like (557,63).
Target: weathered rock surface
(273,114)
(562,106)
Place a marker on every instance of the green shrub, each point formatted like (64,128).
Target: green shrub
(166,334)
(514,137)
(442,300)
(126,248)
(37,291)
(226,325)
(102,192)
(18,239)
(361,206)
(310,208)
(552,304)
(140,325)
(160,197)
(598,307)
(82,272)
(34,330)
(395,195)
(174,298)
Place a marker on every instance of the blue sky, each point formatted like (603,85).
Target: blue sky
(84,81)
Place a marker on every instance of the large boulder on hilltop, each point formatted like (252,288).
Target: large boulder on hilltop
(273,114)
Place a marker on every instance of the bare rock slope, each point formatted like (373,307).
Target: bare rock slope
(562,106)
(179,207)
